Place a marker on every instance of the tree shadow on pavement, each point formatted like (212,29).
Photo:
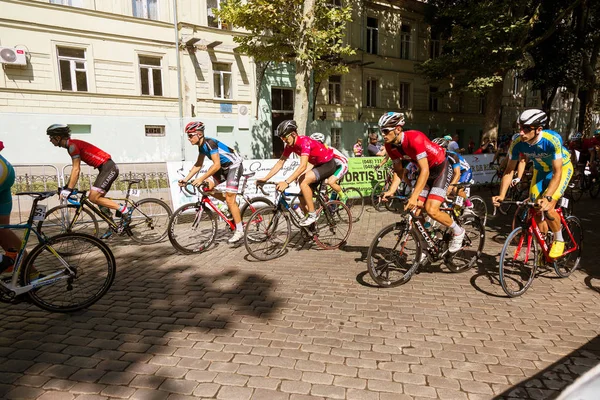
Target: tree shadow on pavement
(548,383)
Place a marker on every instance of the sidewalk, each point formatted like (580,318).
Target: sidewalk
(308,325)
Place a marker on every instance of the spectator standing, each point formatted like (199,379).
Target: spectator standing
(357,149)
(375,149)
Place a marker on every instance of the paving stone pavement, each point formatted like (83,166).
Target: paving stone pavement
(309,325)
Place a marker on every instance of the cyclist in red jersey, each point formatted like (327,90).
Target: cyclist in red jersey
(60,136)
(310,151)
(435,171)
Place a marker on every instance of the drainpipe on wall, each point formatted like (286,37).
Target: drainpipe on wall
(179,95)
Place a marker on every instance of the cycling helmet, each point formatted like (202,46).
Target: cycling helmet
(441,141)
(286,127)
(597,132)
(58,130)
(533,117)
(194,126)
(576,136)
(318,136)
(391,120)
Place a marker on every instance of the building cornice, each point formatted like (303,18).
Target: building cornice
(88,94)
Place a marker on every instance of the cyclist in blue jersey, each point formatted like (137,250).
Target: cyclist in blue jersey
(462,169)
(227,167)
(552,170)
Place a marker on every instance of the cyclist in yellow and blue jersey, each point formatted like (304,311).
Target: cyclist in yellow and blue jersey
(552,170)
(8,239)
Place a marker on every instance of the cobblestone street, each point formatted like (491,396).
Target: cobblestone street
(308,325)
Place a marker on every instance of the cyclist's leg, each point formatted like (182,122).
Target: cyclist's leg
(333,180)
(234,174)
(8,239)
(312,177)
(107,174)
(539,181)
(558,244)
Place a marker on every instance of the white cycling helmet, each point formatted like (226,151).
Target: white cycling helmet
(391,120)
(318,136)
(533,117)
(442,142)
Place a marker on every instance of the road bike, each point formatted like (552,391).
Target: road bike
(399,249)
(355,200)
(193,226)
(269,229)
(146,221)
(63,273)
(520,256)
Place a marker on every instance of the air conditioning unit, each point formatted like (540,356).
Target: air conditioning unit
(12,56)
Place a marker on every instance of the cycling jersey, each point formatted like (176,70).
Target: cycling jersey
(341,162)
(413,171)
(227,156)
(456,160)
(416,146)
(549,147)
(88,153)
(316,151)
(7,179)
(339,156)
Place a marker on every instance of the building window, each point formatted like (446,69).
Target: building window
(482,105)
(372,34)
(336,137)
(79,129)
(460,103)
(282,99)
(435,48)
(335,3)
(433,99)
(72,67)
(222,80)
(335,89)
(371,93)
(155,130)
(145,9)
(151,75)
(72,3)
(516,84)
(404,95)
(213,21)
(405,41)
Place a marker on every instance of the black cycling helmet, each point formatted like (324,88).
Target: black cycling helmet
(286,127)
(533,117)
(58,130)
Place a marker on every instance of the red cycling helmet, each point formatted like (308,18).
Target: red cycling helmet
(194,126)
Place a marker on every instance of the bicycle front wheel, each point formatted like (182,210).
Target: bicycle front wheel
(567,264)
(149,221)
(355,202)
(192,228)
(90,272)
(518,262)
(378,190)
(267,233)
(58,220)
(472,245)
(393,256)
(479,208)
(333,226)
(252,205)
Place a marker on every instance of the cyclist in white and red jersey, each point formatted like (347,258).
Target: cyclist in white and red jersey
(435,172)
(341,163)
(60,136)
(310,151)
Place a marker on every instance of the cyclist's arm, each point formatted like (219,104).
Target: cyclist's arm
(385,159)
(278,165)
(507,177)
(194,170)
(75,171)
(300,170)
(521,166)
(455,179)
(422,179)
(556,176)
(213,168)
(405,176)
(398,172)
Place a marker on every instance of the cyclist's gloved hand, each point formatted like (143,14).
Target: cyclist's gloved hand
(515,181)
(65,192)
(182,183)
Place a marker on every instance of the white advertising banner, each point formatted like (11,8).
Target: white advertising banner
(480,165)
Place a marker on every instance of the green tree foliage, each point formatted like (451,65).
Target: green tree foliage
(308,33)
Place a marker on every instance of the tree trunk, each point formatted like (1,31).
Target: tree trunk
(261,68)
(303,67)
(493,100)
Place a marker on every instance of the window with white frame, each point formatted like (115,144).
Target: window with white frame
(145,9)
(405,41)
(72,3)
(335,89)
(371,93)
(433,99)
(212,19)
(336,137)
(404,95)
(372,35)
(151,75)
(72,67)
(222,80)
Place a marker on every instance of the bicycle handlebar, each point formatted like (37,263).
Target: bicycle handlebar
(526,203)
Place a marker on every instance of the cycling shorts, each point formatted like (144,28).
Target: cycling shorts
(107,174)
(541,179)
(438,182)
(5,195)
(231,176)
(466,176)
(342,169)
(324,170)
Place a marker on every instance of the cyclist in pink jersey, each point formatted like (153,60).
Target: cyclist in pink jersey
(435,172)
(341,168)
(310,151)
(60,136)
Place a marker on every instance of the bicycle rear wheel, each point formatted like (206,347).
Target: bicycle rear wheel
(333,226)
(90,274)
(58,219)
(393,255)
(355,202)
(267,233)
(252,205)
(479,208)
(192,228)
(518,262)
(566,265)
(149,221)
(472,246)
